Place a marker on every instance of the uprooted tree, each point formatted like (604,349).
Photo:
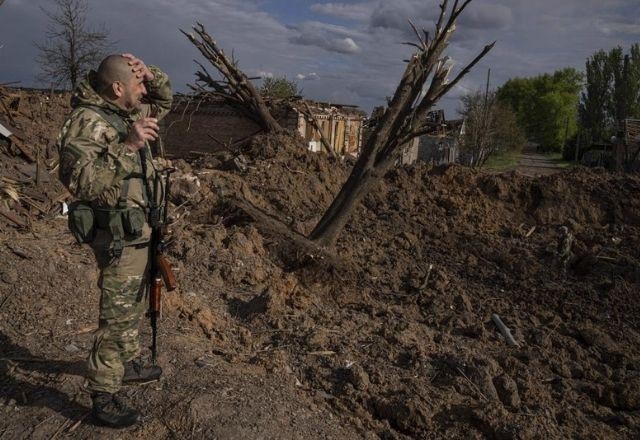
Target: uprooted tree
(235,88)
(404,119)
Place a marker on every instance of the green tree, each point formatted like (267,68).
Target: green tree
(545,106)
(625,87)
(612,92)
(595,98)
(279,88)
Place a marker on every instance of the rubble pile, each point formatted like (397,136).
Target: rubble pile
(396,341)
(29,189)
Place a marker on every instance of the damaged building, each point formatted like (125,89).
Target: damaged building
(440,146)
(196,126)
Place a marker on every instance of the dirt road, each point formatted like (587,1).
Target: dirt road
(533,163)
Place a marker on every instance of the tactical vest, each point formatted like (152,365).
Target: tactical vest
(121,221)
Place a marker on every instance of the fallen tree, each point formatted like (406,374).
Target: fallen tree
(404,119)
(235,87)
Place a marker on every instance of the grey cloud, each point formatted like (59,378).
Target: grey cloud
(486,16)
(329,37)
(623,23)
(533,37)
(396,15)
(618,28)
(307,77)
(346,11)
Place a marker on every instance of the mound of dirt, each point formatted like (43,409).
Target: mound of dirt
(404,342)
(396,341)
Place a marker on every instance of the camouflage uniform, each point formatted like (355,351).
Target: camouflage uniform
(93,164)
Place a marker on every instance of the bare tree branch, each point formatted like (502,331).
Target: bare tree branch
(235,87)
(70,48)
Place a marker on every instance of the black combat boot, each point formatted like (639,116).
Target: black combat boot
(136,372)
(110,410)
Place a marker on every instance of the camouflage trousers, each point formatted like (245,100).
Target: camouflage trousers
(122,304)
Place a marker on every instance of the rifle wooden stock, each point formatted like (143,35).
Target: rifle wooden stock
(164,267)
(155,293)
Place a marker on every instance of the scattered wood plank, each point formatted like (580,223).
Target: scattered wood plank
(13,217)
(7,112)
(19,252)
(24,149)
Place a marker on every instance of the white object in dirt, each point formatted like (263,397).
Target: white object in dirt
(65,208)
(506,332)
(4,131)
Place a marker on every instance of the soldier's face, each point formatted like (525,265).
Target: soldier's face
(133,92)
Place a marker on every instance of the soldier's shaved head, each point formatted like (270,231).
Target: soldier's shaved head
(113,68)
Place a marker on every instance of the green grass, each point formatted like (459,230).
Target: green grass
(503,161)
(557,159)
(509,160)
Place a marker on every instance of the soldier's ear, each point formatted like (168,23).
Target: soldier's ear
(118,88)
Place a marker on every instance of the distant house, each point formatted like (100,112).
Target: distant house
(438,147)
(195,126)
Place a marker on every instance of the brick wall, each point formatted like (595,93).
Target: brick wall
(187,133)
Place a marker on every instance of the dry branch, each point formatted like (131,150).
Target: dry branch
(506,332)
(13,218)
(235,87)
(24,149)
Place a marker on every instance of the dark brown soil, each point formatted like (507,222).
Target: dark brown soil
(396,342)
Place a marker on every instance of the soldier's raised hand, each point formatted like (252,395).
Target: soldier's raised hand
(139,67)
(143,130)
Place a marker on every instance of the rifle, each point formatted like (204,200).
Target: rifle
(160,270)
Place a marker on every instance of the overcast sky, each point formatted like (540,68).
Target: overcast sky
(344,52)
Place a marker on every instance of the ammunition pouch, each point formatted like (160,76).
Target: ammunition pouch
(82,221)
(121,224)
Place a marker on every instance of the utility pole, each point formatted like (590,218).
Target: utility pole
(482,137)
(566,135)
(486,92)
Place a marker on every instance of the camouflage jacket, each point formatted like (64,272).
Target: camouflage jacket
(93,159)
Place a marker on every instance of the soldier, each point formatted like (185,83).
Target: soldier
(105,162)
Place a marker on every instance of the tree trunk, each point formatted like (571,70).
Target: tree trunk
(336,216)
(405,119)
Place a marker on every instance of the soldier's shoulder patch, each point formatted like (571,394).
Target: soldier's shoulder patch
(89,124)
